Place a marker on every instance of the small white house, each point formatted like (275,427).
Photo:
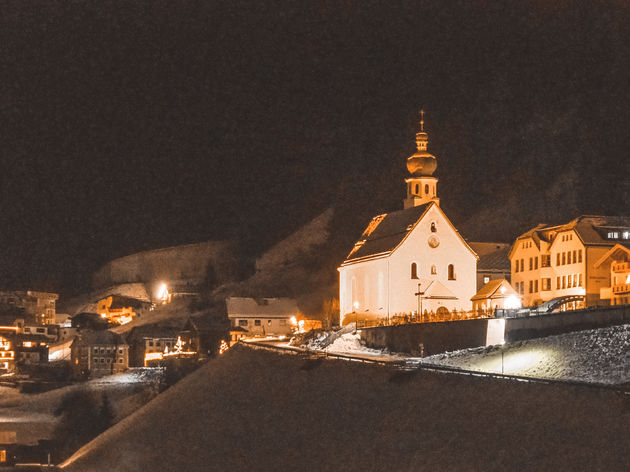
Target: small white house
(496,294)
(263,316)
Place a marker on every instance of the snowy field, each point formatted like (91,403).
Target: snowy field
(600,355)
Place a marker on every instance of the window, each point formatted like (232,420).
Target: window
(151,343)
(569,257)
(242,322)
(536,262)
(256,322)
(283,322)
(102,360)
(531,263)
(426,189)
(40,330)
(531,286)
(95,360)
(569,281)
(545,284)
(451,272)
(516,266)
(433,270)
(574,256)
(579,280)
(120,361)
(102,350)
(417,189)
(558,259)
(564,258)
(414,270)
(579,255)
(564,281)
(95,350)
(108,360)
(536,286)
(558,283)
(268,322)
(433,227)
(486,279)
(120,350)
(522,265)
(545,260)
(158,343)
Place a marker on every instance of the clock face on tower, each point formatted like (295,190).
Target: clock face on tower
(434,241)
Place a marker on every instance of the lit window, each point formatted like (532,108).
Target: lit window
(486,279)
(626,235)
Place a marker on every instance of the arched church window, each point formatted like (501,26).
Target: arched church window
(414,270)
(417,189)
(426,189)
(451,272)
(433,227)
(433,270)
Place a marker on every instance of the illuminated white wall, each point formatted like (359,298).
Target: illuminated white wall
(384,286)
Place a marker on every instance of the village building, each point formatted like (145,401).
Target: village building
(119,309)
(30,305)
(549,262)
(148,343)
(202,335)
(409,261)
(98,353)
(263,317)
(493,263)
(618,259)
(496,294)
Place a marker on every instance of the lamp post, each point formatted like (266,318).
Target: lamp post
(419,295)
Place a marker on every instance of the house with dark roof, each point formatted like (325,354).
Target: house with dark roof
(98,353)
(493,263)
(409,261)
(570,260)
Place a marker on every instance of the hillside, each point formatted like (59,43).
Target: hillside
(253,410)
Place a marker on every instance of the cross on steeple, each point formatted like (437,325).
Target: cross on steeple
(421,120)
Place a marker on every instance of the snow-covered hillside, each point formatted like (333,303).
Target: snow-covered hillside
(600,355)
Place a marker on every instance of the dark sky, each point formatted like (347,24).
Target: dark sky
(132,125)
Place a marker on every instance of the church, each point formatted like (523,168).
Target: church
(409,261)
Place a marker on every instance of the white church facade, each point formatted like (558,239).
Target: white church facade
(409,261)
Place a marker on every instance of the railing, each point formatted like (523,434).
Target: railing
(621,288)
(409,318)
(407,365)
(620,266)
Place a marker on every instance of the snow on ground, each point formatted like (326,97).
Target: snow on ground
(348,343)
(601,355)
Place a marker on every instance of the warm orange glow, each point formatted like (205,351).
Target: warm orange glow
(27,344)
(152,356)
(12,328)
(224,347)
(179,349)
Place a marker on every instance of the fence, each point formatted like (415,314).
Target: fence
(413,318)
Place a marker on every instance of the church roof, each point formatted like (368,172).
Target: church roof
(495,260)
(386,232)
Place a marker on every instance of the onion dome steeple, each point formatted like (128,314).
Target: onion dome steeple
(421,185)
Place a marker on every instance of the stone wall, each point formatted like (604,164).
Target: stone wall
(181,267)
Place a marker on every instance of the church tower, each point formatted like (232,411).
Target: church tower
(421,185)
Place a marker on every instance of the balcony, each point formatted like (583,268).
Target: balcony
(621,288)
(620,267)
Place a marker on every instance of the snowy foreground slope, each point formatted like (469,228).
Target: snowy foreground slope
(257,410)
(599,355)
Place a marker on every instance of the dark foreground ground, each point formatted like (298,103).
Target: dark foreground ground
(253,410)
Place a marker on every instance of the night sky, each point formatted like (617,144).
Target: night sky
(133,125)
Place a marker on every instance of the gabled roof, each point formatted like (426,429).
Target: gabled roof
(387,231)
(98,337)
(263,307)
(493,290)
(591,229)
(434,290)
(614,253)
(496,259)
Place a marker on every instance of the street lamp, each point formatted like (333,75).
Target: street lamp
(419,295)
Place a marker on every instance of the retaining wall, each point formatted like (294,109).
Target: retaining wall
(453,335)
